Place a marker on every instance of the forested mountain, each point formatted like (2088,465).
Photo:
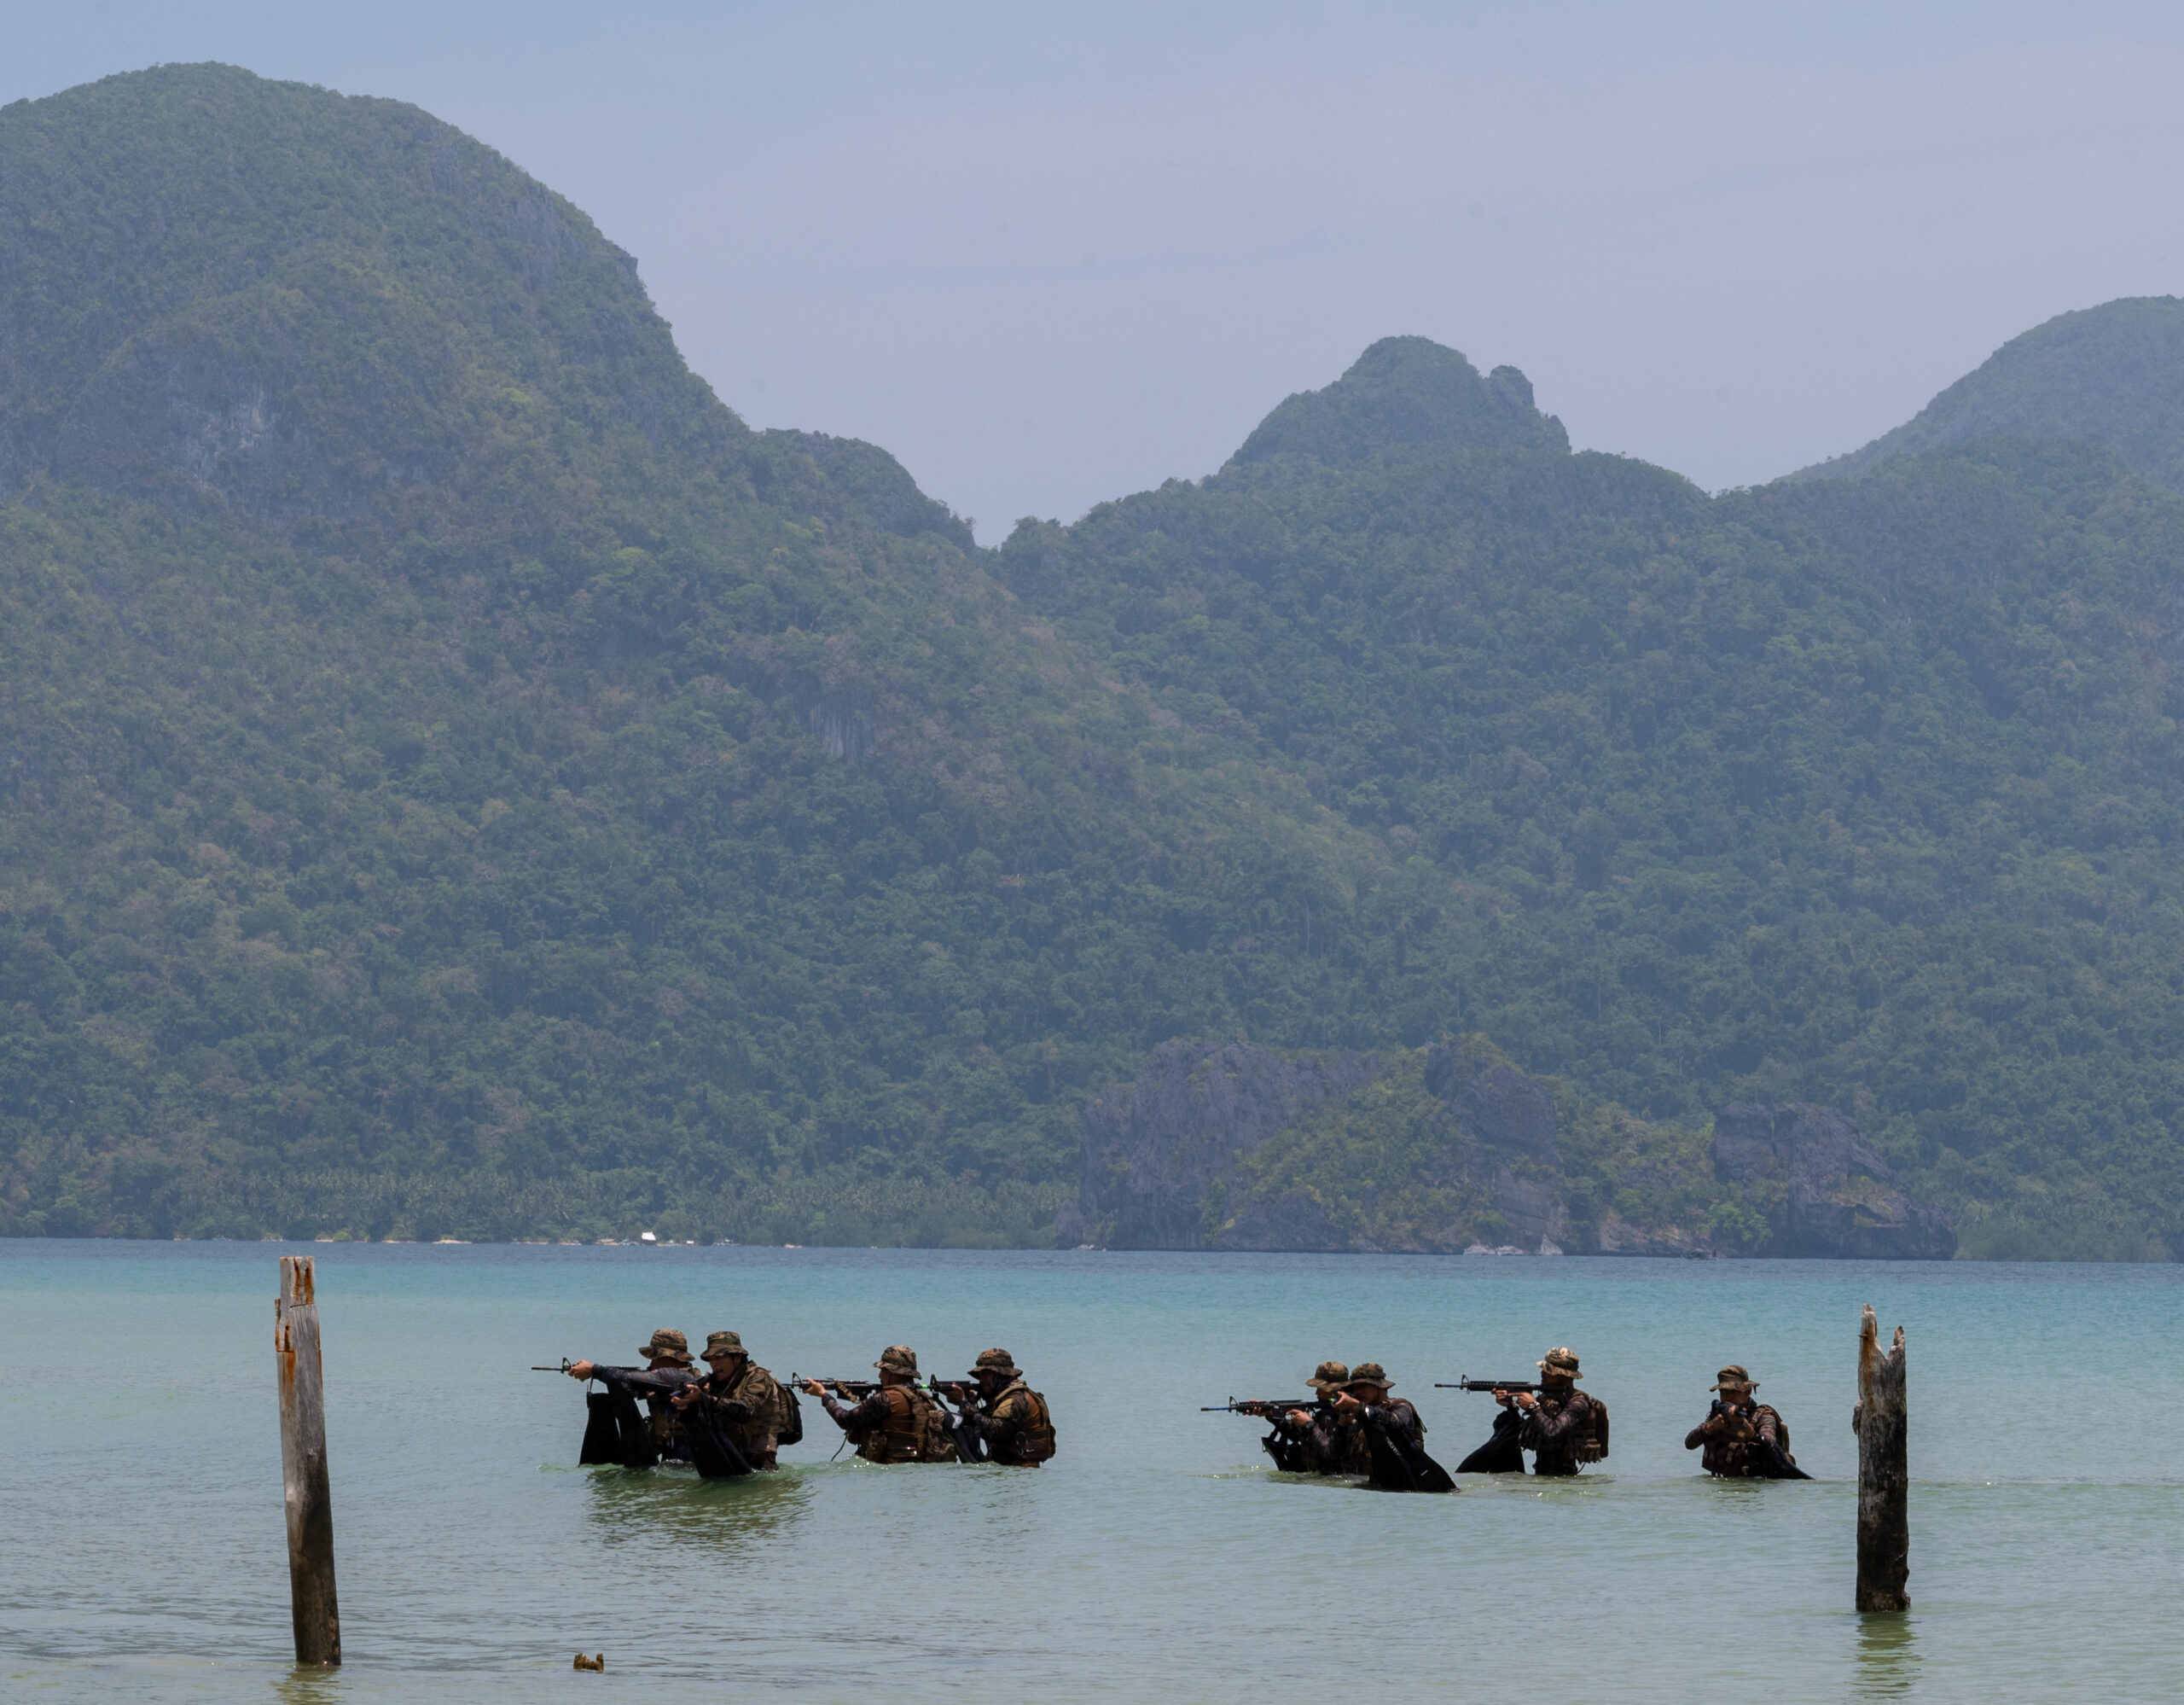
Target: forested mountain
(2111,375)
(1856,793)
(456,778)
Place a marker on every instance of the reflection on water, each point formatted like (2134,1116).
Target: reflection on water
(308,1687)
(1888,1656)
(648,1506)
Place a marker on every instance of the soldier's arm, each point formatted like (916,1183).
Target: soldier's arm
(984,1421)
(1547,1429)
(1769,1426)
(650,1381)
(866,1415)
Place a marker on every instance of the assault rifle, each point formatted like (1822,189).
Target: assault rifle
(1470,1384)
(564,1368)
(1265,1408)
(858,1389)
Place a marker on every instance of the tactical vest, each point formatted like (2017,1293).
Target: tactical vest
(1733,1449)
(1034,1440)
(900,1437)
(1589,1445)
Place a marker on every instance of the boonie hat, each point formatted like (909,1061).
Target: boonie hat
(667,1345)
(899,1357)
(995,1361)
(1369,1373)
(1733,1378)
(1560,1360)
(1329,1374)
(724,1344)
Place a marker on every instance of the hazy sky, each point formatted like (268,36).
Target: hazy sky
(1052,254)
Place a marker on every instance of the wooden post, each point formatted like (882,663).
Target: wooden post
(1883,1473)
(303,1466)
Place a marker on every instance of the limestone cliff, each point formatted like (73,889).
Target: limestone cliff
(1453,1148)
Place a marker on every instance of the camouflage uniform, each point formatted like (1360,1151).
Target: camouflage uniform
(1339,1438)
(1559,1430)
(667,1370)
(1734,1450)
(1294,1448)
(1014,1424)
(748,1406)
(895,1423)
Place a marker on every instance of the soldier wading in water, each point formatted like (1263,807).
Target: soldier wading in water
(898,1422)
(1565,1428)
(667,1369)
(1009,1420)
(1741,1438)
(744,1402)
(1294,1444)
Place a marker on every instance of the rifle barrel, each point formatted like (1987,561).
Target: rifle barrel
(1486,1385)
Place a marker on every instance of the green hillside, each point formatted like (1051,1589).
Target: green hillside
(2111,375)
(1861,794)
(456,778)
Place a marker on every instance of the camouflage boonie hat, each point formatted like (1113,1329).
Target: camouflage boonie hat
(1329,1374)
(994,1361)
(900,1357)
(667,1346)
(1370,1373)
(1560,1360)
(1733,1378)
(725,1344)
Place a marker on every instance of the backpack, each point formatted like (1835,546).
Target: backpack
(1593,1447)
(791,1429)
(936,1443)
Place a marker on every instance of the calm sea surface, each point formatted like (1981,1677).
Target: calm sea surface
(1157,1556)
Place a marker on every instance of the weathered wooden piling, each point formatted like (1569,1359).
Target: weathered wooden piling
(1883,1473)
(303,1466)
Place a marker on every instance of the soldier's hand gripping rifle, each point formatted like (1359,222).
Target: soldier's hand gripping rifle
(970,1445)
(858,1389)
(1776,1460)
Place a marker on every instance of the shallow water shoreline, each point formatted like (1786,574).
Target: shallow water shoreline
(1157,1554)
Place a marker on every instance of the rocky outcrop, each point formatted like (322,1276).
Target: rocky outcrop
(1502,1141)
(1615,1236)
(1823,1190)
(1474,1162)
(1153,1153)
(1162,1160)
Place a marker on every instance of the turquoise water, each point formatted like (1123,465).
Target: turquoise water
(1156,1557)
